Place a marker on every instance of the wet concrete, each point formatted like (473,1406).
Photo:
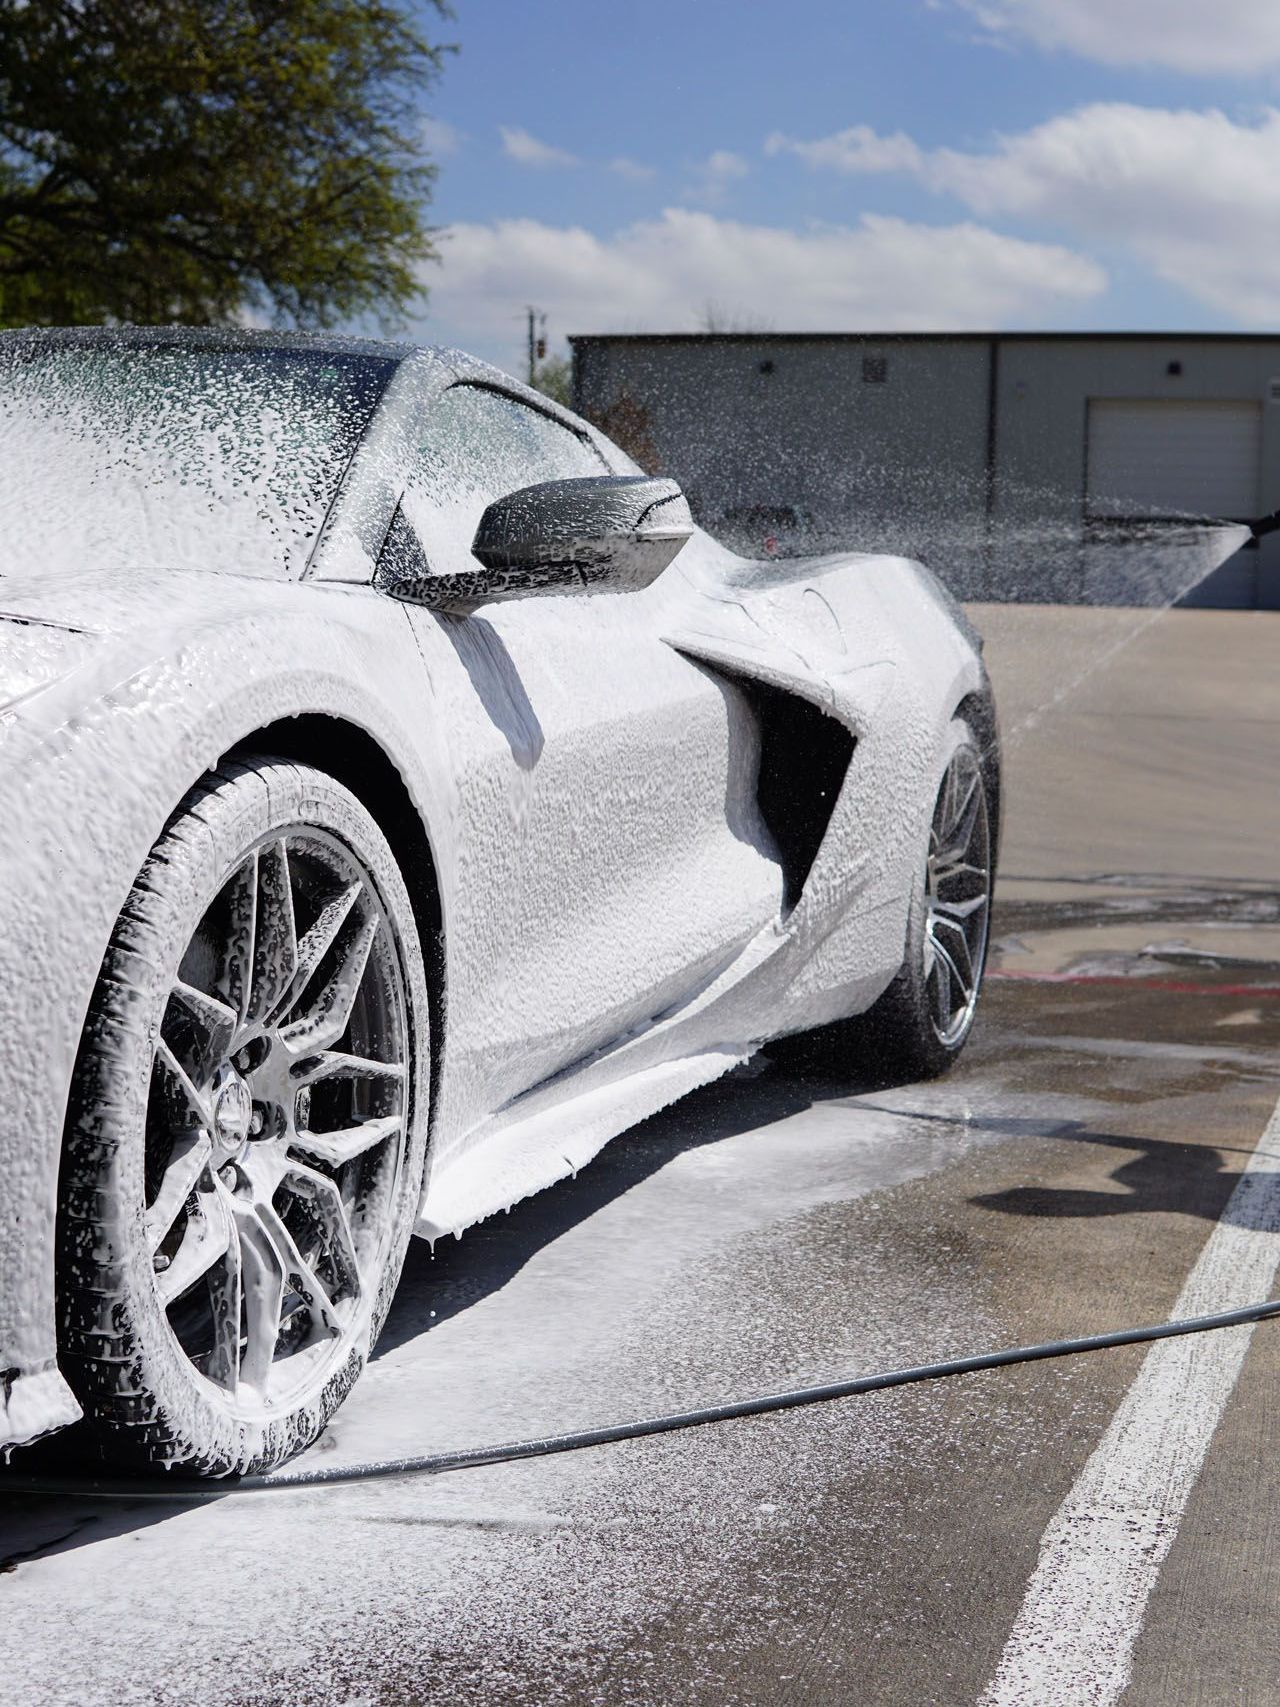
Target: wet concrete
(790,1223)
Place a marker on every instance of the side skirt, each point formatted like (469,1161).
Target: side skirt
(504,1162)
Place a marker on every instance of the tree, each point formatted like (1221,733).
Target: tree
(209,160)
(554,379)
(715,317)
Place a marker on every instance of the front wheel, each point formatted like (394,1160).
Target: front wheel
(244,1147)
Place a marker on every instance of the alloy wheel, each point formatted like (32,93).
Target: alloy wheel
(957,898)
(276,1122)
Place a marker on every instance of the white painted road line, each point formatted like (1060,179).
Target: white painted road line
(1072,1644)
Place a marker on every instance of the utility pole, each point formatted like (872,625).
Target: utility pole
(537,341)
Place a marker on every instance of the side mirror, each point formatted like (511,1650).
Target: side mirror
(616,531)
(611,533)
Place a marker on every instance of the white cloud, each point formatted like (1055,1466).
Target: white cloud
(527,150)
(440,136)
(724,165)
(858,149)
(632,170)
(884,274)
(713,176)
(1194,195)
(1232,37)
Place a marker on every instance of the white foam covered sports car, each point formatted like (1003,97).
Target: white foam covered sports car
(400,798)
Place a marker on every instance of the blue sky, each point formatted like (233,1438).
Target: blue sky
(871,164)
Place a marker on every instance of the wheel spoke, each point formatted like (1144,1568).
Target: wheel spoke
(348,1142)
(190,1158)
(954,808)
(956,816)
(330,1012)
(953,863)
(181,1088)
(207,1237)
(223,1364)
(319,940)
(334,1064)
(950,913)
(275,953)
(957,951)
(215,1018)
(963,810)
(326,1201)
(940,984)
(958,986)
(957,937)
(301,1275)
(262,1283)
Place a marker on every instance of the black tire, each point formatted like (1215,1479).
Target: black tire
(270,1094)
(903,1036)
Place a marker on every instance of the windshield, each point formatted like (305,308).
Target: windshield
(167,456)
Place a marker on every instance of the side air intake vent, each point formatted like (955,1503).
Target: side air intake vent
(804,755)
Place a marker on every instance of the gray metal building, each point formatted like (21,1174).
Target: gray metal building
(1050,466)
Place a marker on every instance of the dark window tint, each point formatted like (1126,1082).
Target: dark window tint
(477,445)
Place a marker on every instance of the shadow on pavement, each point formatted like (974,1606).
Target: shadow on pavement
(1179,1179)
(39,1526)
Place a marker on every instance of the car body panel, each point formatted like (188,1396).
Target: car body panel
(576,825)
(830,956)
(613,925)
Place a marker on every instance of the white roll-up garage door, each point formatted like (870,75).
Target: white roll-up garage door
(1154,458)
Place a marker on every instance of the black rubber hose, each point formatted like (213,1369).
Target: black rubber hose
(434,1464)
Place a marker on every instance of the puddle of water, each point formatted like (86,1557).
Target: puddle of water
(1199,950)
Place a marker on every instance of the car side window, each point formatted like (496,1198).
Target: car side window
(476,445)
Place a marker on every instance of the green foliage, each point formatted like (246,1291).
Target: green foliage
(205,160)
(554,379)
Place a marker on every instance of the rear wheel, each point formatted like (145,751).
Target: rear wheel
(922,1021)
(243,1156)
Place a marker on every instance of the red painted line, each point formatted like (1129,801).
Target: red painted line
(1177,987)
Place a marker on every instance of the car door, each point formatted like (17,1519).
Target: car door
(609,852)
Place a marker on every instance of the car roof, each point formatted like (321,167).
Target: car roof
(456,364)
(396,351)
(219,338)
